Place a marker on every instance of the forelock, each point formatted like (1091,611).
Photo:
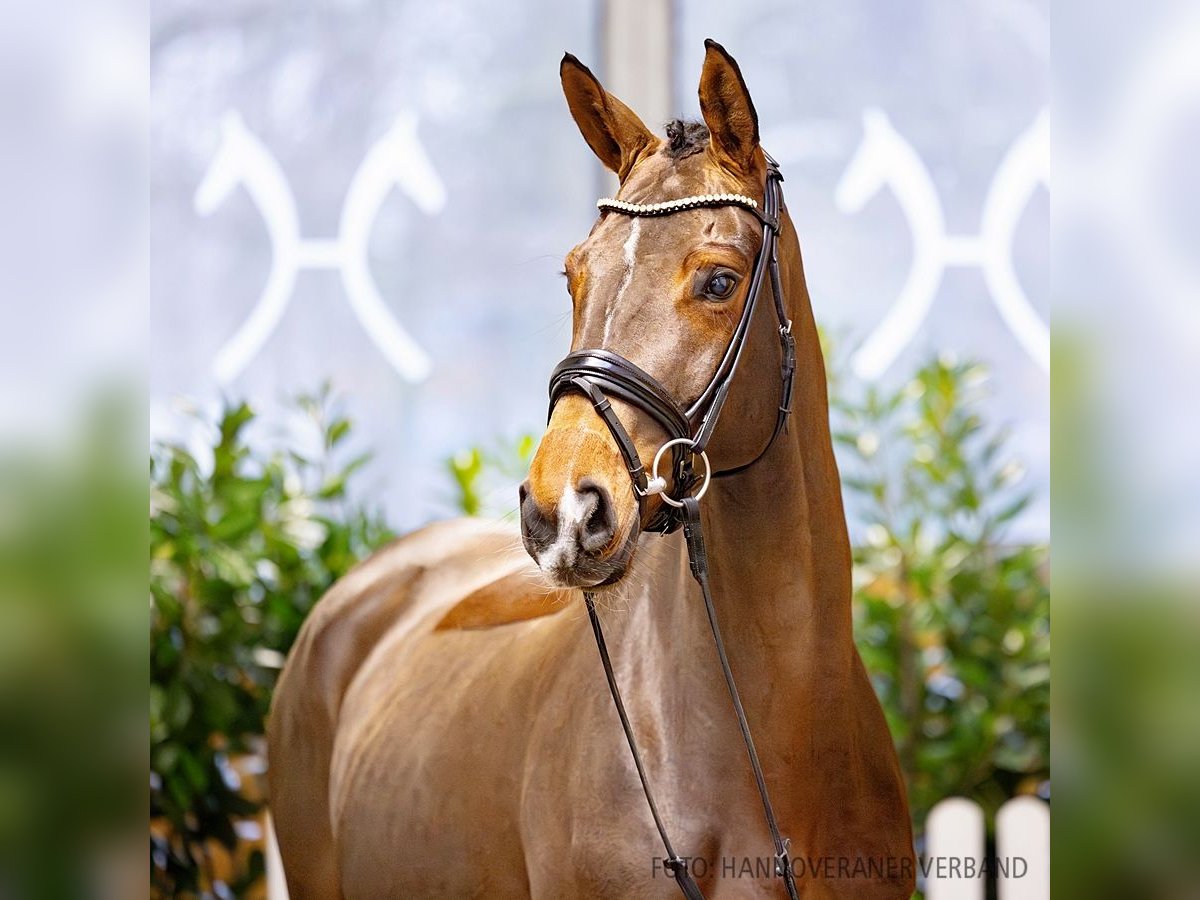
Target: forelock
(685,138)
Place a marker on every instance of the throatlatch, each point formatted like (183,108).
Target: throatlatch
(599,374)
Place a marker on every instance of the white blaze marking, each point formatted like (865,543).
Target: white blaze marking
(629,250)
(573,510)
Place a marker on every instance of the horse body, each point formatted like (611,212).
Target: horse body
(487,762)
(442,727)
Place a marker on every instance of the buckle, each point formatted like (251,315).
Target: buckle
(675,865)
(655,485)
(783,863)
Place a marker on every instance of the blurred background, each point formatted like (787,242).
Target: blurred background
(348,199)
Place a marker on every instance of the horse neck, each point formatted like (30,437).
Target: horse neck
(776,538)
(780,555)
(779,561)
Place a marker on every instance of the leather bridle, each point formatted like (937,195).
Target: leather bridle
(599,374)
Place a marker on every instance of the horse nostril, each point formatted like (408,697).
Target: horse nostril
(598,526)
(536,528)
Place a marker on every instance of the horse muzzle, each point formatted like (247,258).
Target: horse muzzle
(577,542)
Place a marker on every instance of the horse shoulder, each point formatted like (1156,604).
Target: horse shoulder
(361,607)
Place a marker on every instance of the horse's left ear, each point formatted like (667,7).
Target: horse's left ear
(728,110)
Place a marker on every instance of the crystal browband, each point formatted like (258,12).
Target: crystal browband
(670,206)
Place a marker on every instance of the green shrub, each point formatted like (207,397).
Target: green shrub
(240,550)
(72,648)
(951,618)
(485,478)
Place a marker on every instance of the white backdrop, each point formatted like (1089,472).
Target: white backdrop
(380,194)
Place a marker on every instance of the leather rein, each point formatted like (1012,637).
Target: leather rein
(599,374)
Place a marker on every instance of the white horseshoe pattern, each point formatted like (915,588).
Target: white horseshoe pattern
(396,160)
(885,158)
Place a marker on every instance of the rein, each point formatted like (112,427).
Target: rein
(599,374)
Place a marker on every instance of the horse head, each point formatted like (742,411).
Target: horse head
(665,294)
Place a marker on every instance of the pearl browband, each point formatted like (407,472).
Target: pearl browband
(670,206)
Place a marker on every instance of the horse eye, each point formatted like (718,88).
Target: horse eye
(720,285)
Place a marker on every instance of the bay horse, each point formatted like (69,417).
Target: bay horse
(442,726)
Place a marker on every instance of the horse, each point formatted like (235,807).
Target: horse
(442,726)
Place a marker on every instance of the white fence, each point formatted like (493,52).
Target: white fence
(956,865)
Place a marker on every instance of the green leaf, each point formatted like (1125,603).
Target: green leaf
(338,430)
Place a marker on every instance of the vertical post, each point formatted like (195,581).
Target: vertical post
(955,839)
(638,42)
(276,882)
(637,39)
(1023,846)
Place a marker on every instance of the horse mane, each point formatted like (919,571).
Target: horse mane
(685,138)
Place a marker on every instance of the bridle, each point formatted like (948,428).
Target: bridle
(599,374)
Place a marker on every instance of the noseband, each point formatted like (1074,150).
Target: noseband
(599,374)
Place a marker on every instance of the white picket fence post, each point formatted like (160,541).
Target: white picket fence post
(956,851)
(954,832)
(276,883)
(1023,834)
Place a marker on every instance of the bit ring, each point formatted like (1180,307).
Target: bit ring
(658,484)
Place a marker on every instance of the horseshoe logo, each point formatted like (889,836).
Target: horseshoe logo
(396,160)
(885,158)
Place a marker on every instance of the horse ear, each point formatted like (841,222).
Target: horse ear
(728,111)
(613,131)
